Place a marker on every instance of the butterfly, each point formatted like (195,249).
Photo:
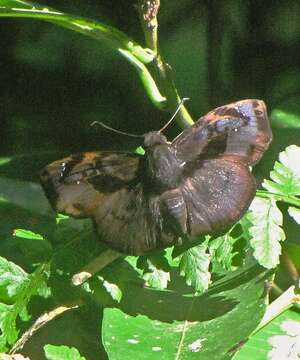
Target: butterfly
(200,183)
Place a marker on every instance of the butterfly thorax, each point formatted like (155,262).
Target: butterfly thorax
(164,168)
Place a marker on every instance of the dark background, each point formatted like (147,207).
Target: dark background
(55,82)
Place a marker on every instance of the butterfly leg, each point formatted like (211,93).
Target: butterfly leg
(174,208)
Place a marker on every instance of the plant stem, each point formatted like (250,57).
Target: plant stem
(40,322)
(292,200)
(148,11)
(289,265)
(162,72)
(95,265)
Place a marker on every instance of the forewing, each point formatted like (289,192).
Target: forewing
(241,128)
(76,185)
(108,187)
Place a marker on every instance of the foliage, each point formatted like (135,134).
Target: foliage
(62,353)
(175,304)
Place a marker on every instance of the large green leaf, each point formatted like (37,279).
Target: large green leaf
(286,173)
(175,324)
(279,340)
(266,232)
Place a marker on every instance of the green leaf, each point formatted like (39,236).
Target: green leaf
(266,232)
(294,213)
(286,173)
(34,246)
(62,352)
(5,160)
(9,332)
(140,150)
(61,217)
(113,289)
(278,340)
(194,265)
(27,234)
(175,324)
(12,279)
(222,253)
(155,277)
(20,292)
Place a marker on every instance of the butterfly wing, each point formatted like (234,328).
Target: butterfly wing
(217,186)
(216,192)
(107,187)
(241,128)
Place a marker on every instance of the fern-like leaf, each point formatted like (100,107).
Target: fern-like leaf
(286,173)
(266,232)
(194,265)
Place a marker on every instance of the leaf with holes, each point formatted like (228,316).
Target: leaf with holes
(176,324)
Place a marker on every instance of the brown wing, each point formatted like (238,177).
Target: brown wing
(241,128)
(106,186)
(217,186)
(216,192)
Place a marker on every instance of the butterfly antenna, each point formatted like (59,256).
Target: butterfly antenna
(115,130)
(176,112)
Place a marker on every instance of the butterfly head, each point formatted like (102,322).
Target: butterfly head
(154,138)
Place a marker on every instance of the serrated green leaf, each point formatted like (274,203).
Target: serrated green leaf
(62,352)
(266,232)
(221,251)
(9,332)
(12,278)
(156,278)
(294,213)
(286,173)
(194,265)
(9,313)
(27,234)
